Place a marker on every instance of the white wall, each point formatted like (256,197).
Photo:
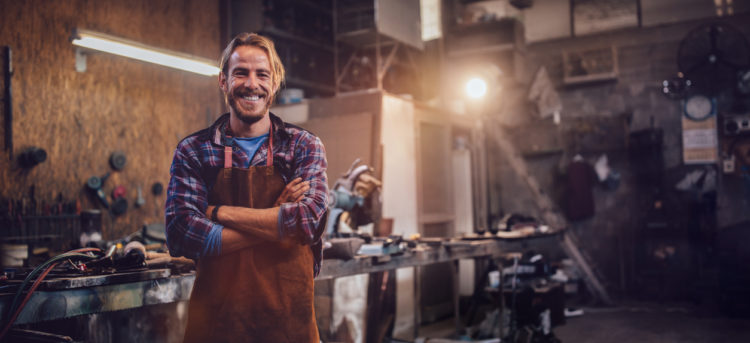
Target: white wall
(400,195)
(461,161)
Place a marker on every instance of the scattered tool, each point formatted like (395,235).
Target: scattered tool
(120,201)
(134,256)
(118,160)
(119,206)
(58,207)
(157,188)
(139,200)
(94,184)
(155,259)
(119,192)
(351,200)
(32,200)
(154,233)
(31,157)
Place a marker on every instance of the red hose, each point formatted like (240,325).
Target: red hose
(26,299)
(34,287)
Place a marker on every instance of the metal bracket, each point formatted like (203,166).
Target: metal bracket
(80,60)
(388,60)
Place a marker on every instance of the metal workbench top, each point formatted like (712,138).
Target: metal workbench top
(66,297)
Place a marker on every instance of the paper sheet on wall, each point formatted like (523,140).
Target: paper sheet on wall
(699,141)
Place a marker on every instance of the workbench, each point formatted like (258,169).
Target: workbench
(453,250)
(67,297)
(420,256)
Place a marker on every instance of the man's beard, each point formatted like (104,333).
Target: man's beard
(248,117)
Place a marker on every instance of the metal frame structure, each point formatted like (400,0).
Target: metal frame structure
(369,39)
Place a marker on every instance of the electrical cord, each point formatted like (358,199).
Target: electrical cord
(26,299)
(49,265)
(69,254)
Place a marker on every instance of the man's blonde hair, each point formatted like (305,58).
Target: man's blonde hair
(264,43)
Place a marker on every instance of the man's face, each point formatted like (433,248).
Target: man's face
(248,86)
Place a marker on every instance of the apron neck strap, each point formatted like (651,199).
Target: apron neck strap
(269,156)
(228,150)
(227,156)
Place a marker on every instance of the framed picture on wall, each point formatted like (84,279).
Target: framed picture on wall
(589,65)
(592,16)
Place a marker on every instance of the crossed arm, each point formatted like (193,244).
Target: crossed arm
(244,227)
(297,213)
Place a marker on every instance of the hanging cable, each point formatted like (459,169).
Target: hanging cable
(47,266)
(26,299)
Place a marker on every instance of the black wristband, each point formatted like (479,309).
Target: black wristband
(214,213)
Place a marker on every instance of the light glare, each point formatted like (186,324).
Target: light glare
(146,55)
(476,88)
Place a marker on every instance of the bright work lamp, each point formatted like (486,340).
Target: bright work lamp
(476,88)
(131,49)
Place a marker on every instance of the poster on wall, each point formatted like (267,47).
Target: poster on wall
(591,16)
(699,141)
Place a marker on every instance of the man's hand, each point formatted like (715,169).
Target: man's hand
(293,192)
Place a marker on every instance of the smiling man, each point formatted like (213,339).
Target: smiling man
(247,200)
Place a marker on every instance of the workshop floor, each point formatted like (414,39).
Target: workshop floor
(646,323)
(641,322)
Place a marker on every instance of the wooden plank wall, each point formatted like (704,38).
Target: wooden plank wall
(140,109)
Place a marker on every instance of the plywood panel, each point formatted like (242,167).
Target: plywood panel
(117,104)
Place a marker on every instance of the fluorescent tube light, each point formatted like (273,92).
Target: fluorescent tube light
(127,48)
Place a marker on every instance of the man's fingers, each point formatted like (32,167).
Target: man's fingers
(299,186)
(283,197)
(294,191)
(294,196)
(294,182)
(301,193)
(292,186)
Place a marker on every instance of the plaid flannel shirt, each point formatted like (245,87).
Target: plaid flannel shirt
(198,159)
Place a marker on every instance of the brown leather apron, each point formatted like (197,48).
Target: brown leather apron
(259,294)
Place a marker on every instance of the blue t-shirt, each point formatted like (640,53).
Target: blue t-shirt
(250,145)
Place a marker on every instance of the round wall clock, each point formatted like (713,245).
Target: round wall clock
(699,107)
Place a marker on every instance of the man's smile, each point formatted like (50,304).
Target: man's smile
(249,99)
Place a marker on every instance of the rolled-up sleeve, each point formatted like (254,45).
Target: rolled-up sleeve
(303,220)
(187,227)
